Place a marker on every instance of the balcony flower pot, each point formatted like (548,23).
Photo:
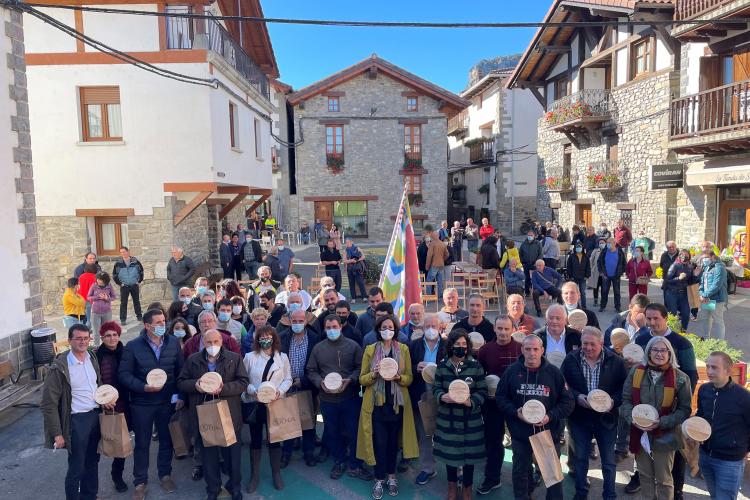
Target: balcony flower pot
(335,163)
(567,113)
(601,181)
(412,163)
(415,199)
(555,184)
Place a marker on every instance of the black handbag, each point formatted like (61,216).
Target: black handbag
(250,410)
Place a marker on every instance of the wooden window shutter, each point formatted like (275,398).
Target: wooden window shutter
(710,73)
(741,66)
(100,95)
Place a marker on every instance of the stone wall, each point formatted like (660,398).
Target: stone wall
(696,215)
(374,153)
(642,124)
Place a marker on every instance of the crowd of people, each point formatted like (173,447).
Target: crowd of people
(377,424)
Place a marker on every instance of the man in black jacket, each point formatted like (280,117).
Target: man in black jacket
(180,269)
(225,256)
(152,405)
(532,377)
(588,368)
(667,259)
(89,258)
(579,269)
(234,380)
(128,274)
(726,406)
(297,343)
(530,252)
(252,256)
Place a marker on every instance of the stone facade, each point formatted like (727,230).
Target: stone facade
(641,122)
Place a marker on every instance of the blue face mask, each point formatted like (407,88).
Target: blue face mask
(224,316)
(208,306)
(201,290)
(530,238)
(159,331)
(294,306)
(637,253)
(298,327)
(186,300)
(579,249)
(611,246)
(333,333)
(178,333)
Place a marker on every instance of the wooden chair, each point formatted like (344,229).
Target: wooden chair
(488,290)
(430,296)
(61,346)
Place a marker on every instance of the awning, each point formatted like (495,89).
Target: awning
(699,176)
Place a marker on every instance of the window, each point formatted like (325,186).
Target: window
(627,217)
(640,57)
(351,217)
(561,87)
(234,129)
(334,140)
(413,183)
(567,157)
(333,104)
(411,104)
(179,29)
(258,141)
(111,234)
(101,119)
(413,142)
(612,148)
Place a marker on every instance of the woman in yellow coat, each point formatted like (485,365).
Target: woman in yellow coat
(386,418)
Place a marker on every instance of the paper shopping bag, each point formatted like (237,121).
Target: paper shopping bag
(305,404)
(115,440)
(428,412)
(694,296)
(215,423)
(177,429)
(283,420)
(546,457)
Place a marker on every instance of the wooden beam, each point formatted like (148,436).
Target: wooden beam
(590,36)
(555,49)
(189,187)
(712,32)
(538,95)
(229,206)
(217,201)
(191,206)
(255,205)
(259,191)
(573,140)
(104,212)
(233,190)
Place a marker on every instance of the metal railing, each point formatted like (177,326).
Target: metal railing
(558,180)
(413,152)
(687,9)
(589,103)
(605,175)
(482,152)
(715,110)
(459,123)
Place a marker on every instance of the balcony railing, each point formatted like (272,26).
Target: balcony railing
(591,105)
(558,181)
(482,152)
(604,175)
(181,34)
(689,9)
(459,124)
(715,110)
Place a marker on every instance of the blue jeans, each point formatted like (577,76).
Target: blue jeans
(723,477)
(582,288)
(176,292)
(341,421)
(88,313)
(437,274)
(581,432)
(676,302)
(144,417)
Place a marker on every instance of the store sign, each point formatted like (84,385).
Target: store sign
(667,176)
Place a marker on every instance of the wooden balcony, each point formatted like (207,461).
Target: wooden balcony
(482,152)
(579,115)
(558,181)
(713,121)
(605,176)
(459,124)
(727,15)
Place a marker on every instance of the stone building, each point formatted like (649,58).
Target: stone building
(21,293)
(492,163)
(606,93)
(362,134)
(125,157)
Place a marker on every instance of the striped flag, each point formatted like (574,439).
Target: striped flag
(400,277)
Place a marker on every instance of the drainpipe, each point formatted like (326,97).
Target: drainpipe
(513,163)
(239,23)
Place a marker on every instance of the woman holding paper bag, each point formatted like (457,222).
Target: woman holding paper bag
(265,363)
(386,417)
(658,383)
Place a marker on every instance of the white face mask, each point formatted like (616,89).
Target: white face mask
(236,309)
(431,334)
(386,334)
(213,350)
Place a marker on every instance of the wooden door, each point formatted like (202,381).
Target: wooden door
(324,212)
(583,212)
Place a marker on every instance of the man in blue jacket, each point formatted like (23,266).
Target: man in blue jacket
(611,265)
(152,405)
(128,274)
(545,281)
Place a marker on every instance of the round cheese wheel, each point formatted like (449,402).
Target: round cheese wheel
(333,381)
(599,400)
(266,392)
(619,338)
(577,319)
(388,368)
(156,378)
(556,358)
(518,336)
(477,340)
(492,381)
(633,352)
(697,429)
(459,391)
(106,395)
(210,382)
(428,373)
(644,415)
(533,411)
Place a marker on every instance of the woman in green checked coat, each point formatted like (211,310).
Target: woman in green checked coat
(459,435)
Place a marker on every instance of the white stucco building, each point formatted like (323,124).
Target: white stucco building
(126,157)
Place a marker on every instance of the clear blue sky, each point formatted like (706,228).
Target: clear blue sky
(306,54)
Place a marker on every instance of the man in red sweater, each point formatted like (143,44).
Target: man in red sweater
(623,236)
(486,229)
(496,357)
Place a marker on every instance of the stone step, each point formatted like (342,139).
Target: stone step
(14,393)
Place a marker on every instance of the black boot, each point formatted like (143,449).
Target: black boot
(120,485)
(634,486)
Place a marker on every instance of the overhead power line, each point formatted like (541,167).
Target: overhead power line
(386,24)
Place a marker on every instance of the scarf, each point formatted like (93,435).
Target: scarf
(666,403)
(378,392)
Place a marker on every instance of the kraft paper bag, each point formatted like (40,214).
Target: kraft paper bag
(283,420)
(215,423)
(546,457)
(428,413)
(694,297)
(305,404)
(177,430)
(115,441)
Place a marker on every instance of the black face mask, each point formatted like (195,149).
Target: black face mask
(459,352)
(343,319)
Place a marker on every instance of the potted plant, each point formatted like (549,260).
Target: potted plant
(335,163)
(415,199)
(412,163)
